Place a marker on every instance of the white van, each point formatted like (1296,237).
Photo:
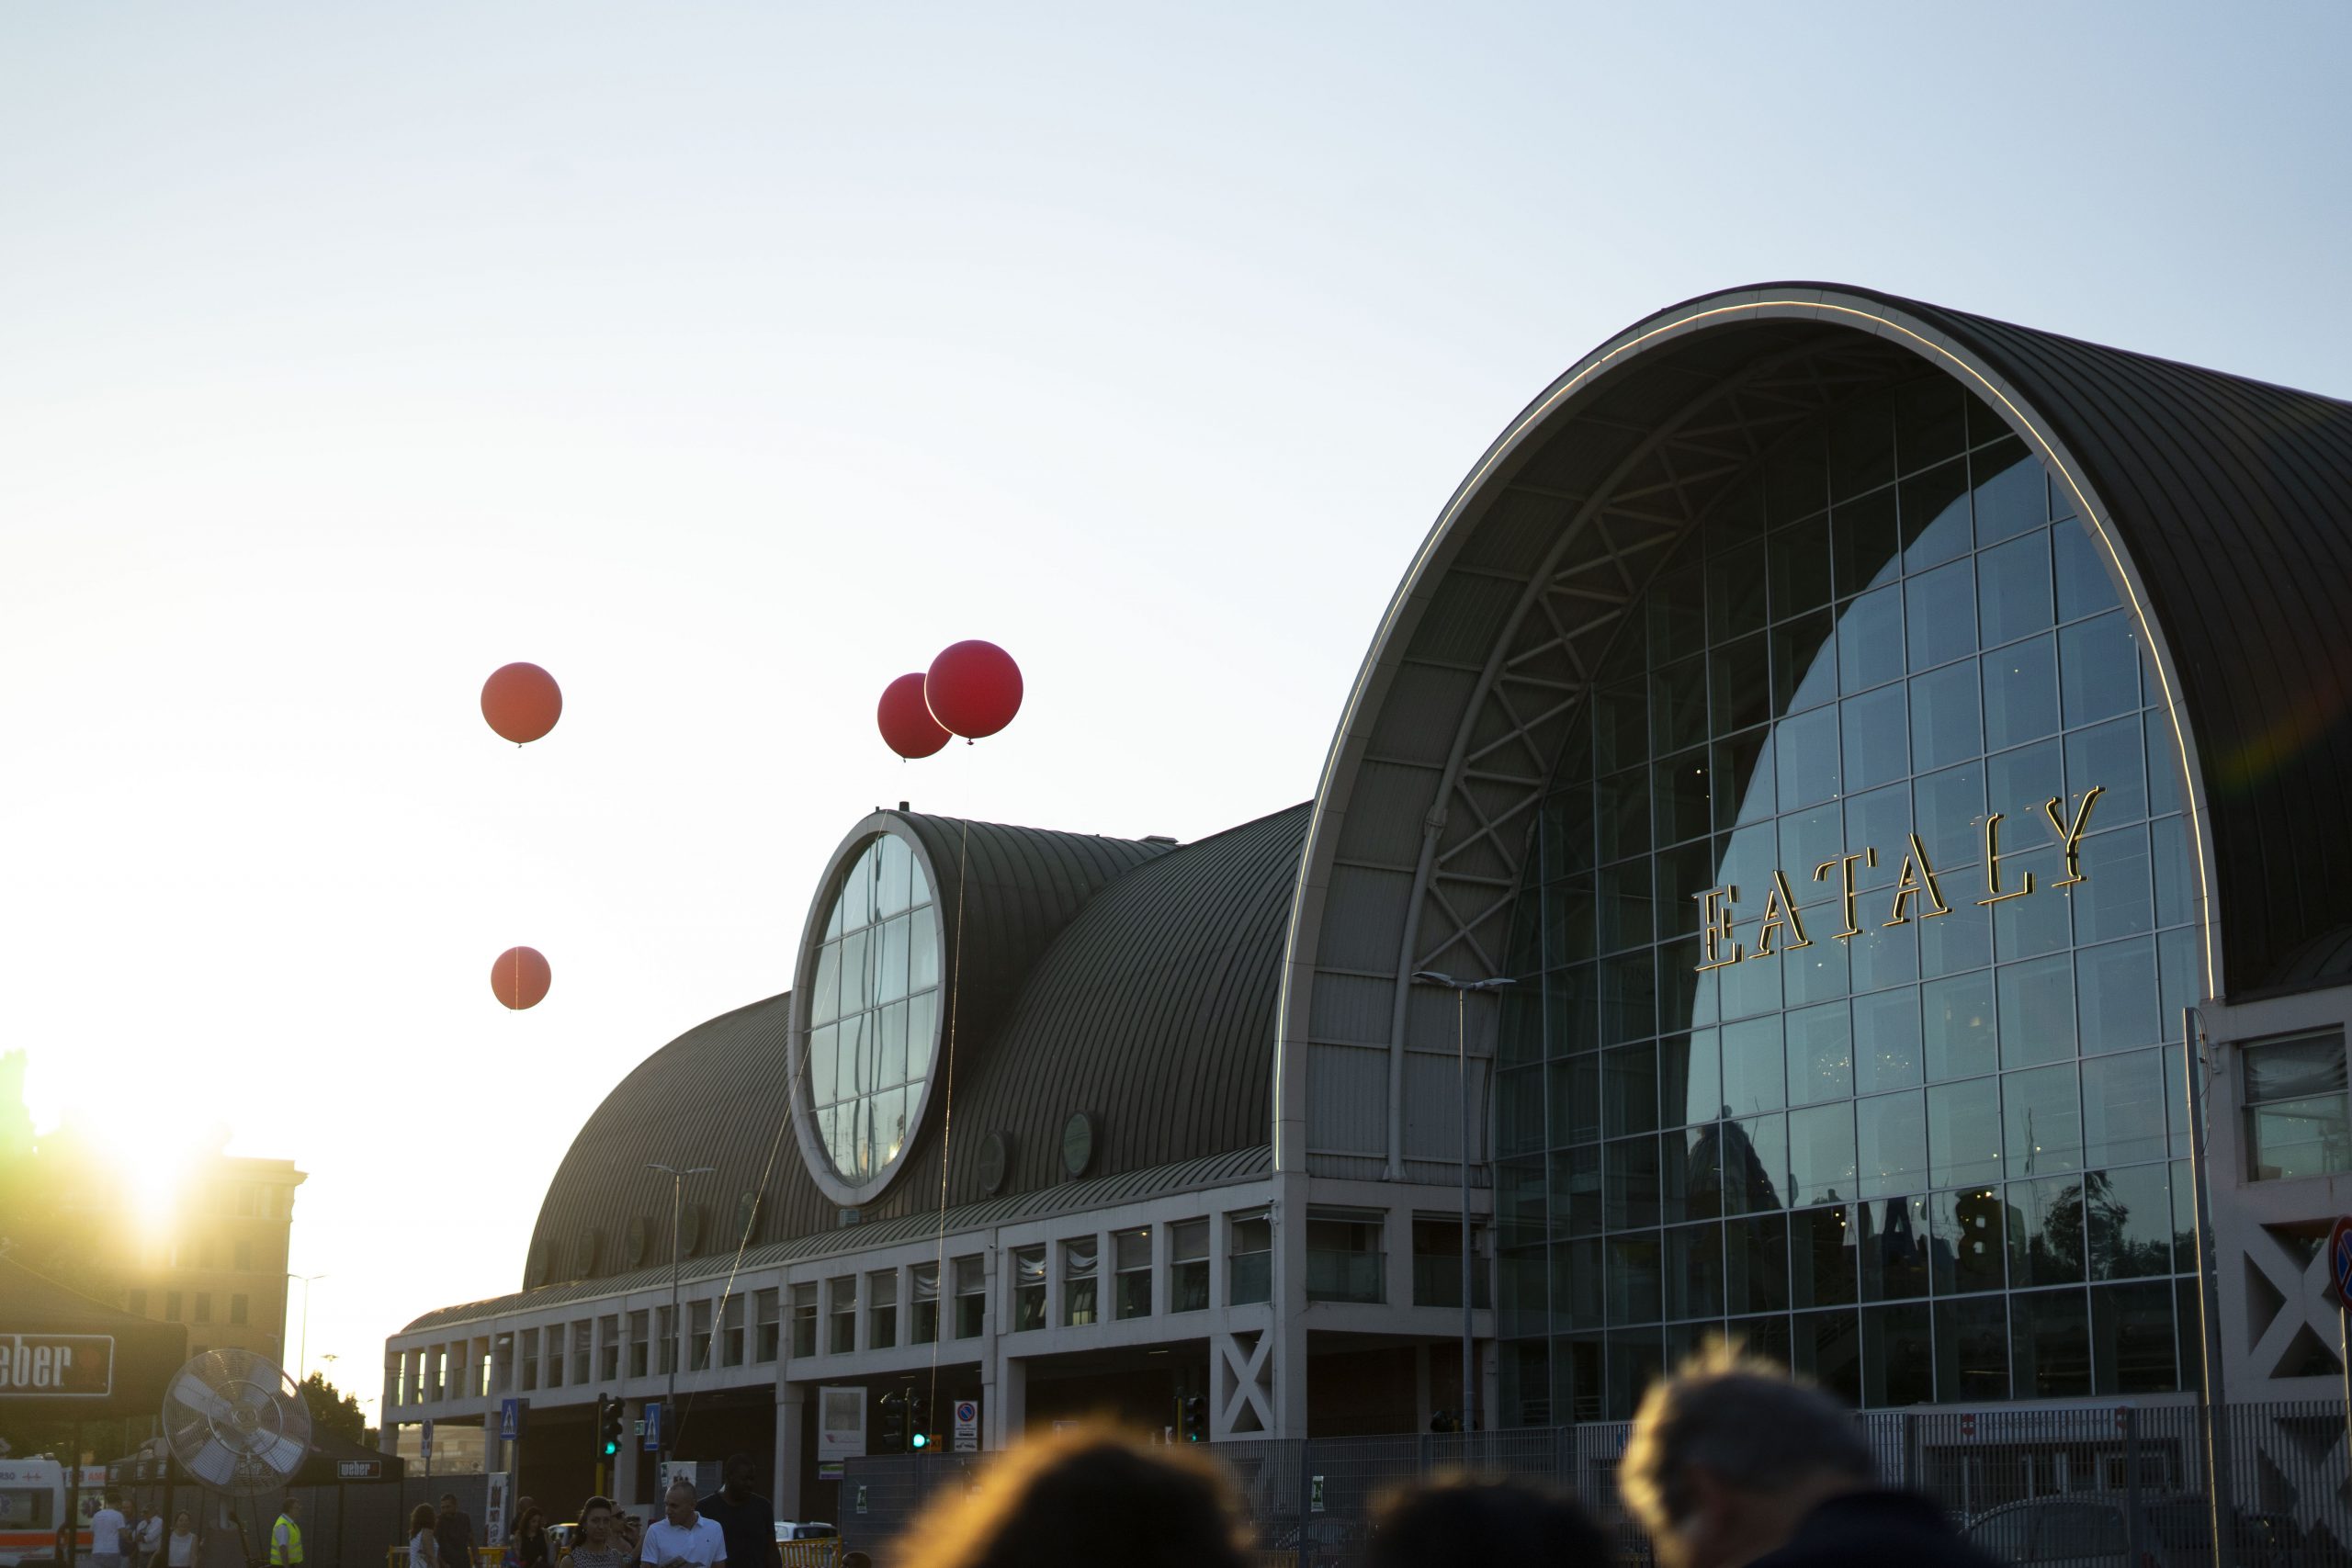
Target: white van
(32,1501)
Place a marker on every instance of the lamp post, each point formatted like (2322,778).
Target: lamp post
(677,1334)
(302,1369)
(1461,989)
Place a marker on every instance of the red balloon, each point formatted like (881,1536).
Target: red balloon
(522,702)
(908,728)
(520,978)
(973,689)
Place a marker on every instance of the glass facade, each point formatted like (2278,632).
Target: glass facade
(874,1010)
(1863,931)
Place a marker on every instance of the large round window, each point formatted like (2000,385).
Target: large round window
(872,1011)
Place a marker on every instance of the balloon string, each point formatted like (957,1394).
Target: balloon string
(941,1295)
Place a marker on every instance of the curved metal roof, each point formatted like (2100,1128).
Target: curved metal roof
(1154,1010)
(1132,979)
(2228,504)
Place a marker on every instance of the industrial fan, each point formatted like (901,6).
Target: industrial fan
(236,1422)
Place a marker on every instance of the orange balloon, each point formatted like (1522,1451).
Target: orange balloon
(520,978)
(522,702)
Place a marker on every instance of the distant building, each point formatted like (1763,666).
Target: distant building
(1866,734)
(215,1260)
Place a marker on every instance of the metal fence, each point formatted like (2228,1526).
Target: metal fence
(2087,1485)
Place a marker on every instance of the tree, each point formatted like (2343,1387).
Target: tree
(333,1411)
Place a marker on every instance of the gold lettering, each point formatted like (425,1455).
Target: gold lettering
(1714,926)
(1993,866)
(1781,913)
(1844,865)
(1917,879)
(2072,838)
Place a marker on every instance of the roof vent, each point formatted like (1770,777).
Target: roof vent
(1158,838)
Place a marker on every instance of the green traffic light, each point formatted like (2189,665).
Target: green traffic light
(921,1440)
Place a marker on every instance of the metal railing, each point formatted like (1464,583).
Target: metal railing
(2093,1485)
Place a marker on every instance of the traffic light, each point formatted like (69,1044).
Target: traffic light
(894,1423)
(608,1426)
(1196,1419)
(919,1421)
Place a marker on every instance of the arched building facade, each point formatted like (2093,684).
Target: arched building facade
(1866,739)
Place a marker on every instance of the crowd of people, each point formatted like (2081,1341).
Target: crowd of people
(734,1525)
(1730,1464)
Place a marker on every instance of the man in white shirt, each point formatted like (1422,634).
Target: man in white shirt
(682,1538)
(151,1537)
(106,1528)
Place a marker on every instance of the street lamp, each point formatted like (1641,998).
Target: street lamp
(677,1329)
(302,1362)
(1461,989)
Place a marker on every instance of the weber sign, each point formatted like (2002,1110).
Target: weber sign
(57,1366)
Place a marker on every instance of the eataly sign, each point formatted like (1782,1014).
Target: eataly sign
(1918,893)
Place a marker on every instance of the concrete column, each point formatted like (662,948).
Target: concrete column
(1004,1399)
(1290,1309)
(791,1401)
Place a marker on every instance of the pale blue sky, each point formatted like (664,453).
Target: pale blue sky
(729,360)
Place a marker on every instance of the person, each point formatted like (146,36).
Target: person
(682,1538)
(423,1544)
(180,1549)
(1731,1463)
(745,1519)
(1466,1523)
(627,1531)
(286,1535)
(454,1532)
(1085,1496)
(531,1541)
(151,1537)
(598,1545)
(108,1530)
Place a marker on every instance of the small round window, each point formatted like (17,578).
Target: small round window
(873,1010)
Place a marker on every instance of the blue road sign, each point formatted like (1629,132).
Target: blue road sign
(424,1440)
(510,1417)
(653,1426)
(2339,1260)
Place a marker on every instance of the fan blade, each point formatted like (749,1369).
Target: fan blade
(194,1392)
(214,1464)
(285,1455)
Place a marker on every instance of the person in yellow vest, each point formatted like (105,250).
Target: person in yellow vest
(286,1535)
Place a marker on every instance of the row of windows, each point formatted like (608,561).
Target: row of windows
(174,1302)
(206,1252)
(2127,1224)
(1345,1261)
(2066,1343)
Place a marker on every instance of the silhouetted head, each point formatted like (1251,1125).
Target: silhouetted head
(1467,1523)
(1083,1498)
(1727,1456)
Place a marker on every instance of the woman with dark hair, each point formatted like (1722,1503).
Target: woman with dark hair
(1467,1523)
(424,1546)
(531,1542)
(1080,1499)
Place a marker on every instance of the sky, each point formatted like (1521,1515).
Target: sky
(730,360)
